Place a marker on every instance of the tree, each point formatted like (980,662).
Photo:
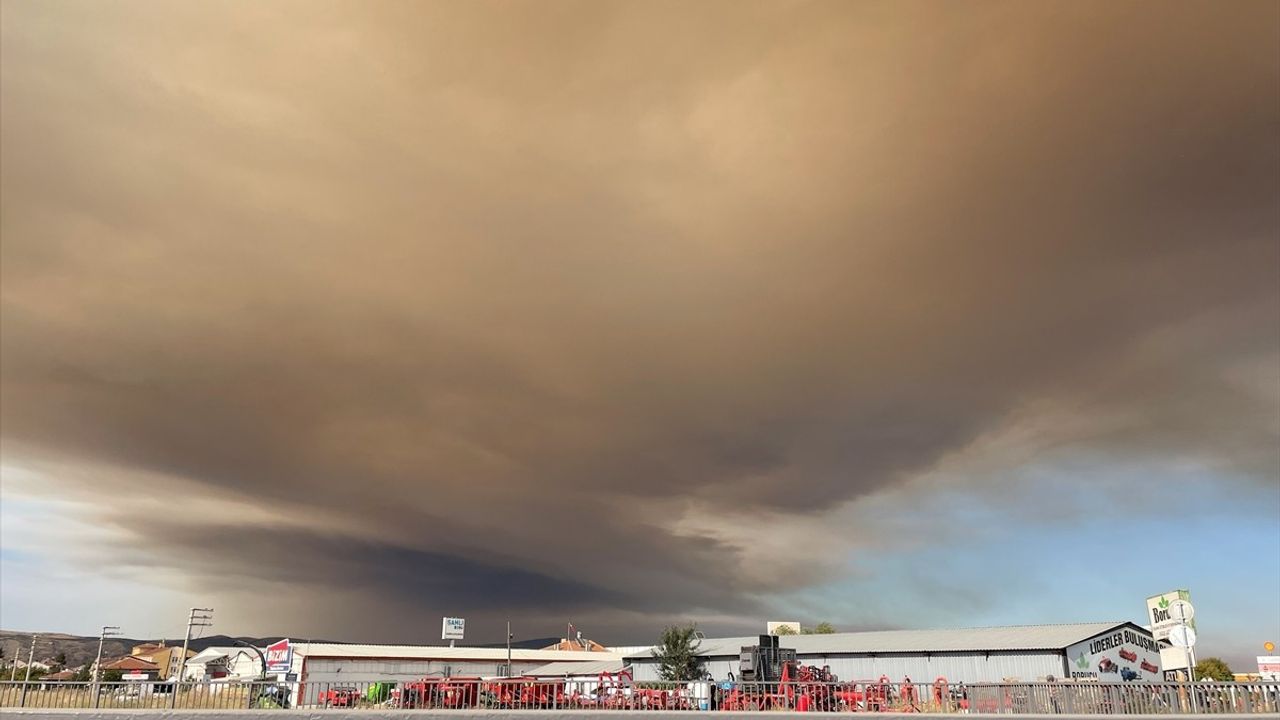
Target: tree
(784,630)
(677,653)
(1213,668)
(112,676)
(83,674)
(60,662)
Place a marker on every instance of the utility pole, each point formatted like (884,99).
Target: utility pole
(508,648)
(31,657)
(107,630)
(97,664)
(199,617)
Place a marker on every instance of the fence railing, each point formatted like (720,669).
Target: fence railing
(608,693)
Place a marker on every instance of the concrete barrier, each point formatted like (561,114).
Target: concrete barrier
(497,715)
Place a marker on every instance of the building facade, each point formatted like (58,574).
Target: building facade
(1108,651)
(320,666)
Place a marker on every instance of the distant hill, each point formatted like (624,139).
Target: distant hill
(81,649)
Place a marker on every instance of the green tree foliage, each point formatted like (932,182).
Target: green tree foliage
(677,653)
(1213,668)
(112,676)
(83,674)
(60,662)
(784,630)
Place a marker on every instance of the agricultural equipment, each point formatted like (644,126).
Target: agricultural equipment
(271,696)
(440,693)
(809,687)
(379,692)
(764,661)
(344,697)
(950,696)
(883,696)
(879,695)
(772,679)
(613,691)
(523,692)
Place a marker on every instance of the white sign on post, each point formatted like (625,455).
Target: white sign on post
(1269,667)
(452,628)
(1182,636)
(1173,658)
(1160,613)
(773,627)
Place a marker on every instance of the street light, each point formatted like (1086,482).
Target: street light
(261,657)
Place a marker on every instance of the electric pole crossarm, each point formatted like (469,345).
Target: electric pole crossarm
(199,617)
(107,631)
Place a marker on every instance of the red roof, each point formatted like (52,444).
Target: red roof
(130,662)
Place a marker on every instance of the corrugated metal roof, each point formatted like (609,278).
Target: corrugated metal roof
(213,653)
(432,652)
(626,650)
(1017,637)
(561,669)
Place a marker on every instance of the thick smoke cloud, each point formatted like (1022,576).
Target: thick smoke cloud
(455,305)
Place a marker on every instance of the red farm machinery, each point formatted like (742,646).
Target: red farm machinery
(772,678)
(453,693)
(618,691)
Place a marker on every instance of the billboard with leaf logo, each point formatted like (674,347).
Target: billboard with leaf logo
(1160,615)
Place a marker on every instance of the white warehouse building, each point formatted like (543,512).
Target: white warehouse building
(319,666)
(1105,651)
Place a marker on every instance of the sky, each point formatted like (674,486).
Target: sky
(342,317)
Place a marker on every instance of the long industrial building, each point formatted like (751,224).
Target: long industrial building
(318,666)
(1105,651)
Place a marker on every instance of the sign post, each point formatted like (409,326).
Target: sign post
(1172,610)
(1184,634)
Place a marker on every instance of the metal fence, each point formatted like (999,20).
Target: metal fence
(610,693)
